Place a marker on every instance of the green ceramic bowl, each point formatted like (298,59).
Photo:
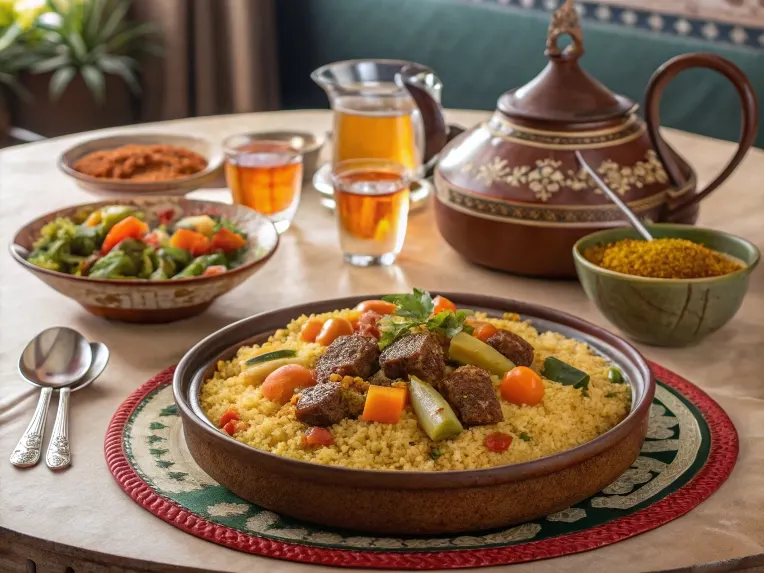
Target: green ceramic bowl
(667,312)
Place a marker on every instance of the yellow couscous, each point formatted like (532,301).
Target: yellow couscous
(565,418)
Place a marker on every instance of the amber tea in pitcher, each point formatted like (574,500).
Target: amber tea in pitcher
(372,197)
(385,129)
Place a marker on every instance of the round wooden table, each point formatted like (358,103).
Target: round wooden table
(80,518)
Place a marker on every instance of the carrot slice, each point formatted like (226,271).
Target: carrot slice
(384,404)
(128,228)
(226,240)
(192,241)
(228,416)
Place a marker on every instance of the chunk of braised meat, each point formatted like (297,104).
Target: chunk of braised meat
(367,324)
(419,355)
(381,379)
(321,405)
(352,355)
(470,392)
(514,347)
(353,394)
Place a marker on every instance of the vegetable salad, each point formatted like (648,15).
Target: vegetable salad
(118,242)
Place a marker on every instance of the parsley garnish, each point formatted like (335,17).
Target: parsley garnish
(435,453)
(611,395)
(525,437)
(415,310)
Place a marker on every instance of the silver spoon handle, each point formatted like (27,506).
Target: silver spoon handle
(613,196)
(58,455)
(27,451)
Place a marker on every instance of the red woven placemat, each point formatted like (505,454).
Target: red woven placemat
(717,467)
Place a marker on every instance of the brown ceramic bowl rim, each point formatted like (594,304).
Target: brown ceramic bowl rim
(318,141)
(747,269)
(213,163)
(224,340)
(136,282)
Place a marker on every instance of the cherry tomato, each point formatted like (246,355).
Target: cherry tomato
(441,304)
(521,385)
(166,216)
(230,428)
(498,442)
(378,306)
(228,416)
(214,270)
(333,329)
(280,384)
(310,330)
(485,331)
(367,324)
(317,436)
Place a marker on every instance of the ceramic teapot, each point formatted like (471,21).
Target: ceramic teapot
(511,194)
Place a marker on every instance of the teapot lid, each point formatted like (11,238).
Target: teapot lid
(563,91)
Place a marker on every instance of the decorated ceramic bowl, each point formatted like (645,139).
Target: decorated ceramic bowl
(211,152)
(154,301)
(667,312)
(412,502)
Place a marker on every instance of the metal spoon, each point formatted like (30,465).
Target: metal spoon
(613,196)
(56,357)
(59,454)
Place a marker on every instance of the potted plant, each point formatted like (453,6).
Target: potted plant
(87,72)
(14,58)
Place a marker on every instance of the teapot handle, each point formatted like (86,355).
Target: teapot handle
(668,156)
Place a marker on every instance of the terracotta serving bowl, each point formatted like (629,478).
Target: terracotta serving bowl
(153,301)
(667,312)
(411,502)
(211,152)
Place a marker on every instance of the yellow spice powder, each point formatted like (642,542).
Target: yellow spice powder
(661,259)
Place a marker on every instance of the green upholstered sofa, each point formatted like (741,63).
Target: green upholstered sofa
(481,49)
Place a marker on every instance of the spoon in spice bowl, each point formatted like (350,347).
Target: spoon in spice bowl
(613,196)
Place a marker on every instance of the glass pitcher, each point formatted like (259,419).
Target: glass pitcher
(375,115)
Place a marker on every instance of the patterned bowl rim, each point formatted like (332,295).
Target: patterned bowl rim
(591,267)
(14,247)
(214,161)
(202,356)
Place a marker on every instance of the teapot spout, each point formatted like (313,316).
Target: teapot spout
(425,87)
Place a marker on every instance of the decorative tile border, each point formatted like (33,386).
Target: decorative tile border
(715,31)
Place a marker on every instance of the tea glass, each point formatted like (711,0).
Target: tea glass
(372,206)
(265,176)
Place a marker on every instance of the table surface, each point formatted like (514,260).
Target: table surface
(84,508)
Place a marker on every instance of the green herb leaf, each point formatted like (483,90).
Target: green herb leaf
(417,305)
(392,330)
(525,437)
(435,453)
(611,395)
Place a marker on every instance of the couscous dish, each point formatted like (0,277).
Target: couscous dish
(413,383)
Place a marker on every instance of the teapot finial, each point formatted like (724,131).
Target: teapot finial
(565,21)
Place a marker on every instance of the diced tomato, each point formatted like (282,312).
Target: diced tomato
(228,416)
(166,216)
(317,436)
(129,228)
(441,304)
(230,428)
(214,270)
(195,243)
(521,385)
(226,240)
(367,324)
(498,442)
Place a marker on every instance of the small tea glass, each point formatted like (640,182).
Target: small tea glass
(265,176)
(372,206)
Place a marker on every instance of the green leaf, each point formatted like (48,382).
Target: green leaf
(51,64)
(417,305)
(95,81)
(118,66)
(60,80)
(525,437)
(54,7)
(94,16)
(131,36)
(9,37)
(78,46)
(392,329)
(115,19)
